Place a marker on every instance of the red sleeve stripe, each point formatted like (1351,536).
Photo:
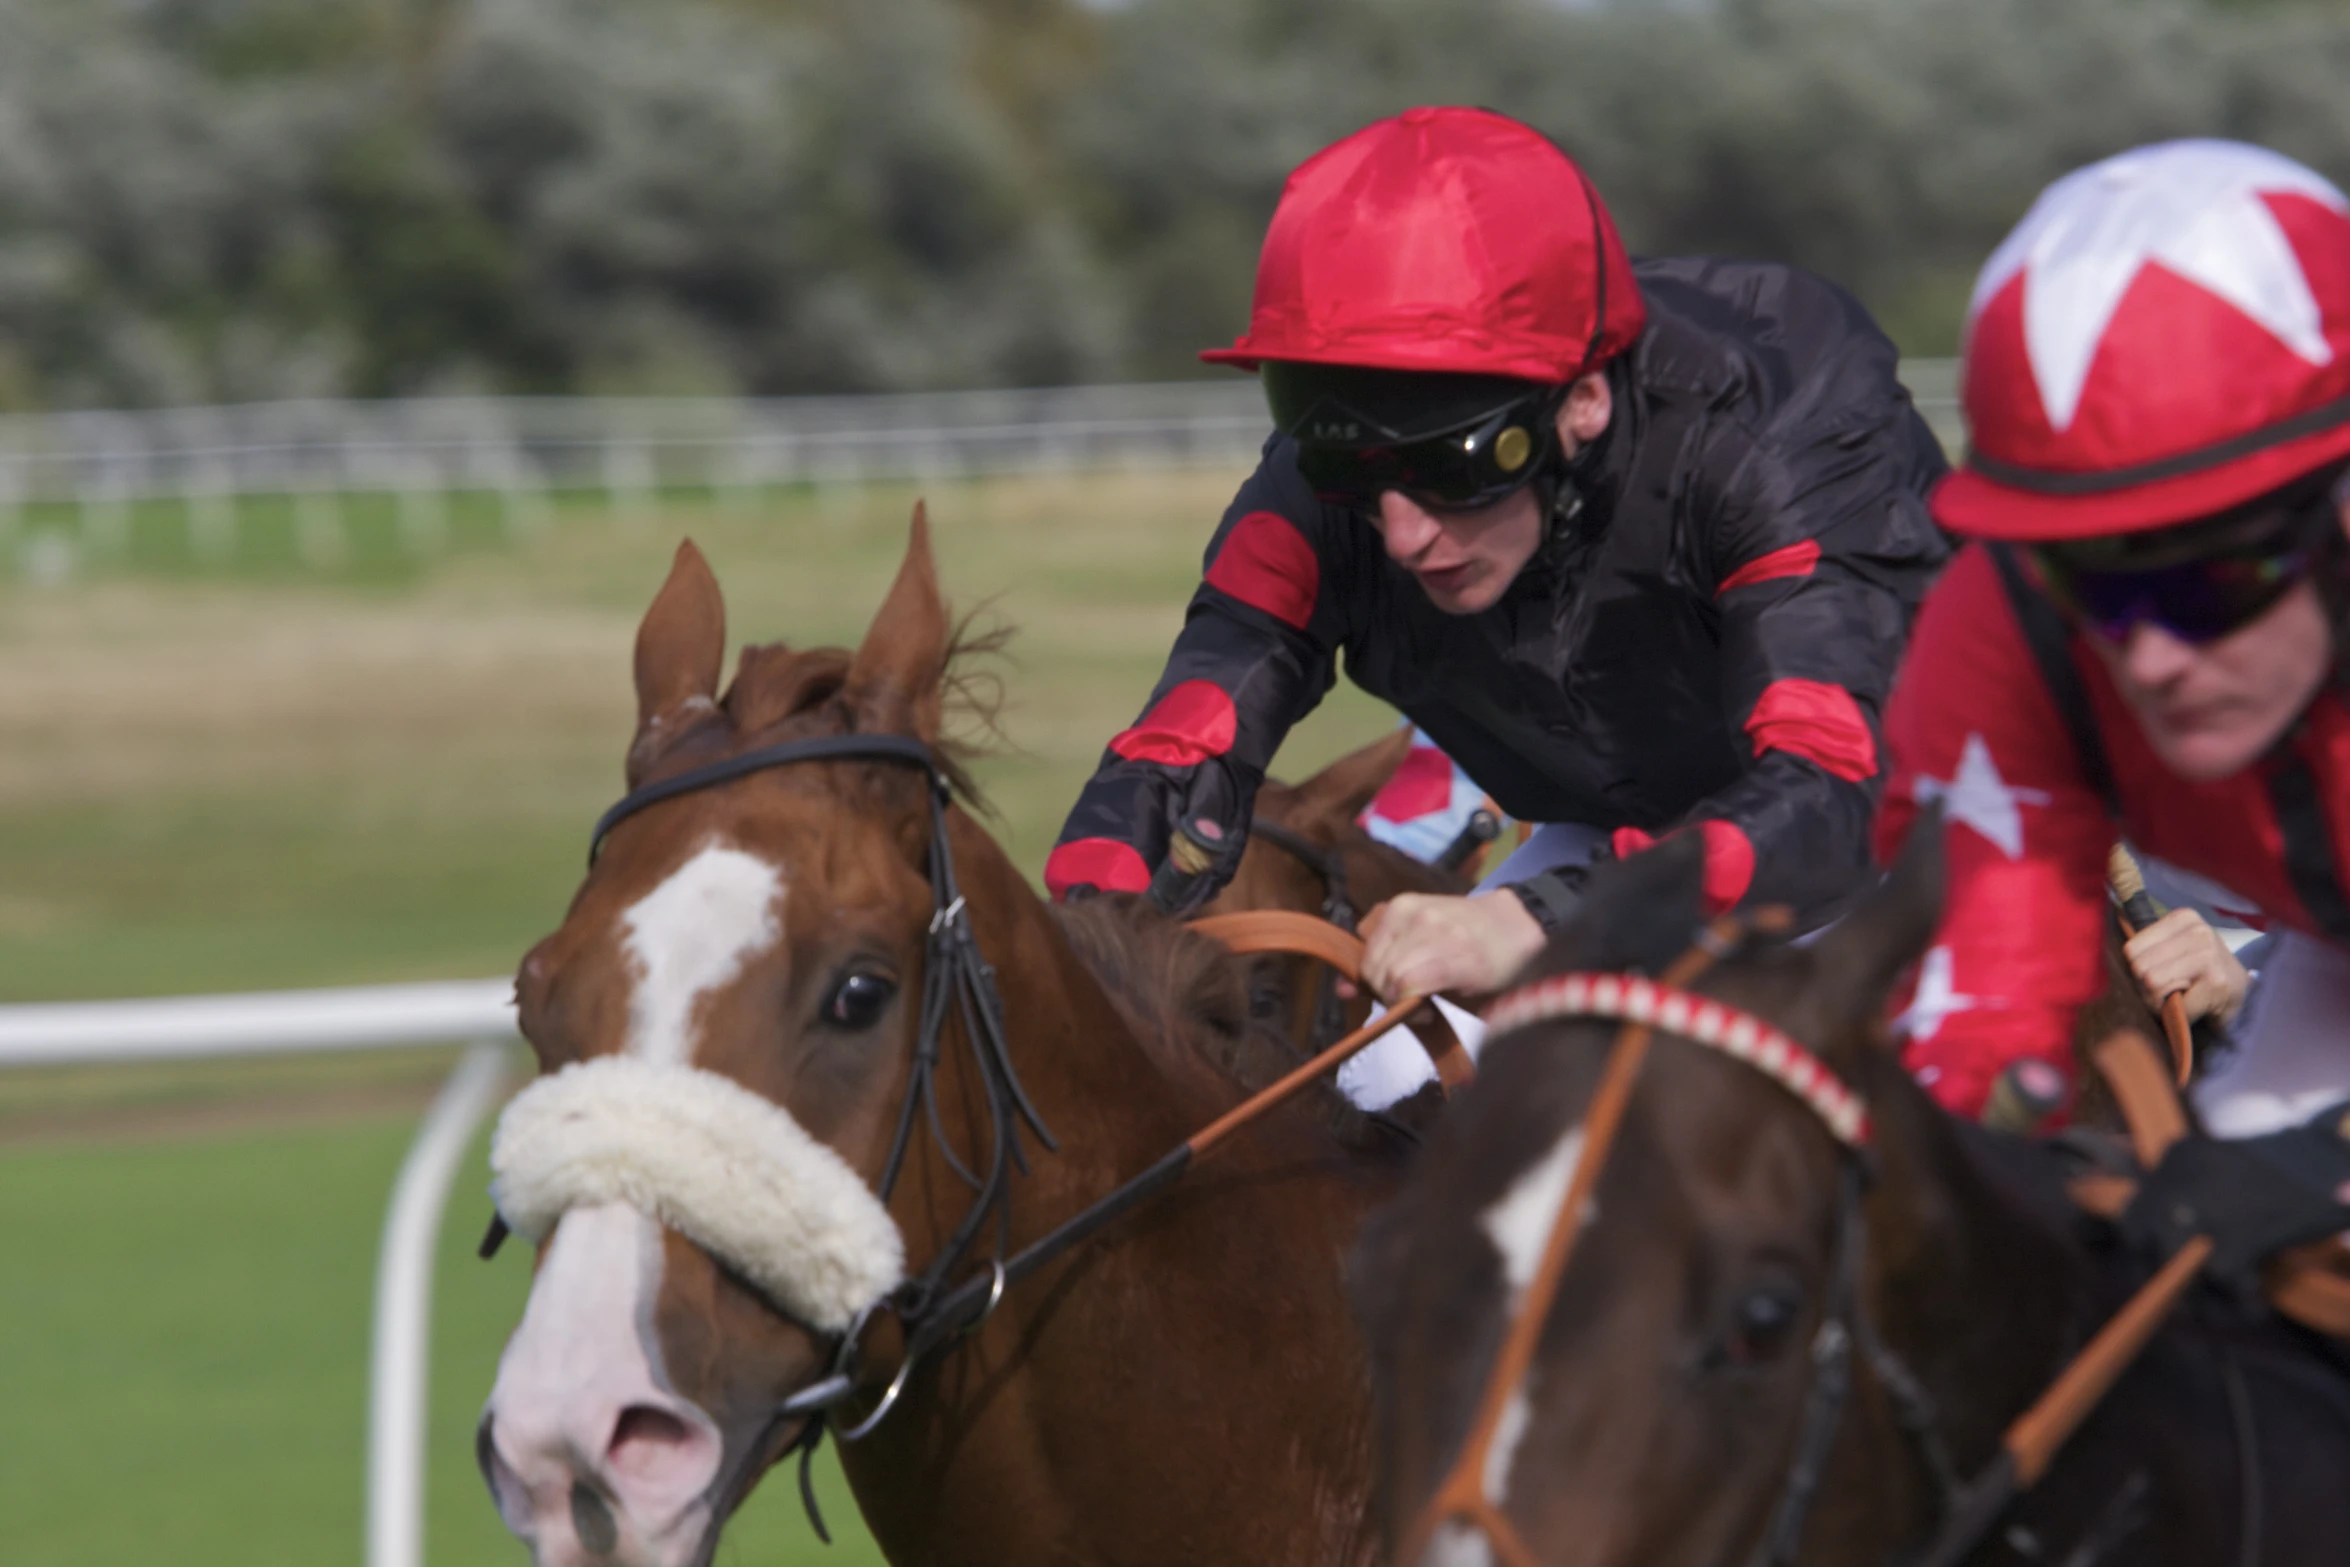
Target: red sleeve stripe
(1816,721)
(1729,860)
(1184,728)
(1096,862)
(1796,560)
(1267,564)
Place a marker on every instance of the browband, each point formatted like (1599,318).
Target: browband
(1739,1035)
(821,748)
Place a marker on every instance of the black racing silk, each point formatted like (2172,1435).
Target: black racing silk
(1756,421)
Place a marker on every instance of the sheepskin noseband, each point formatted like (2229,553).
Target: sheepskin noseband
(730,1171)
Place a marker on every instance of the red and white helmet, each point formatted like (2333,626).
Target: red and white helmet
(1453,240)
(2165,335)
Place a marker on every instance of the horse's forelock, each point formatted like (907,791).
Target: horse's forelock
(774,682)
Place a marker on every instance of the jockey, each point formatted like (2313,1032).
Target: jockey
(2147,640)
(1636,544)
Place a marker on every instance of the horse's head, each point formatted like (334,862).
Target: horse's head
(724,1023)
(1663,1407)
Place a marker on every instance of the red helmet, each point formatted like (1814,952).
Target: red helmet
(2166,335)
(1444,239)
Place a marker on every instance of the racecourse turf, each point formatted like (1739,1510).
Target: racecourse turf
(243,776)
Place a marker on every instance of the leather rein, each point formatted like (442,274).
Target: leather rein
(958,981)
(1969,1507)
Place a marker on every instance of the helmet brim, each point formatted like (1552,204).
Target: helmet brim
(1972,503)
(1552,363)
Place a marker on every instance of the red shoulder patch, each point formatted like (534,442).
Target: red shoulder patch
(1267,564)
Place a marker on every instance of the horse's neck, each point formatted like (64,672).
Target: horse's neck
(1075,1051)
(1980,1293)
(1029,1436)
(1376,872)
(1113,1102)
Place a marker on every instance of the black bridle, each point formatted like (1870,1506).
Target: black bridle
(1844,1327)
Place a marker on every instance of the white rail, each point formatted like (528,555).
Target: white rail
(318,465)
(307,1021)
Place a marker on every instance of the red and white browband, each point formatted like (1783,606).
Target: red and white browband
(1739,1035)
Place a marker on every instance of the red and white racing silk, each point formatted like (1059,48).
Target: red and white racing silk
(1426,806)
(1973,724)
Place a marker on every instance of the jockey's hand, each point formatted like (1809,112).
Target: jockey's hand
(2181,952)
(1418,943)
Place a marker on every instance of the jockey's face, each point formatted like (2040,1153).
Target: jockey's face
(2211,710)
(1466,560)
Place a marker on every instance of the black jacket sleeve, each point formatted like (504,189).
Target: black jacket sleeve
(1256,653)
(1821,550)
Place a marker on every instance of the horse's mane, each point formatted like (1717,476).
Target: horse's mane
(1186,998)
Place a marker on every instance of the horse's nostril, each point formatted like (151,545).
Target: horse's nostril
(591,1517)
(648,1440)
(506,1487)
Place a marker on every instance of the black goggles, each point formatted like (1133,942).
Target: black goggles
(2199,599)
(1459,470)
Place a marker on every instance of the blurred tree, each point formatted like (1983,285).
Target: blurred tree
(206,199)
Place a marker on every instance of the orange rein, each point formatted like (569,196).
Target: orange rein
(1307,935)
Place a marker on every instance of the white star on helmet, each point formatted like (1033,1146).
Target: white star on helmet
(2193,206)
(1979,797)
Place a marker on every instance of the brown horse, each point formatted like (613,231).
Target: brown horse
(1737,1264)
(1319,860)
(732,1030)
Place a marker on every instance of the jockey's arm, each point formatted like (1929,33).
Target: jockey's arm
(1255,655)
(2020,949)
(1821,550)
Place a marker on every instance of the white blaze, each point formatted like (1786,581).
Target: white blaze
(578,1362)
(1519,1225)
(690,935)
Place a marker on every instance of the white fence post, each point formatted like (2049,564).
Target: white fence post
(301,1022)
(403,1307)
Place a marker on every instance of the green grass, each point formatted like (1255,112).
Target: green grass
(248,774)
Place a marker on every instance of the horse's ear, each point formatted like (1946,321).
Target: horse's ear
(681,642)
(1867,950)
(1339,792)
(893,686)
(1637,913)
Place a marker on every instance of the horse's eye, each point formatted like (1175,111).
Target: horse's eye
(1267,998)
(1763,1325)
(856,1002)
